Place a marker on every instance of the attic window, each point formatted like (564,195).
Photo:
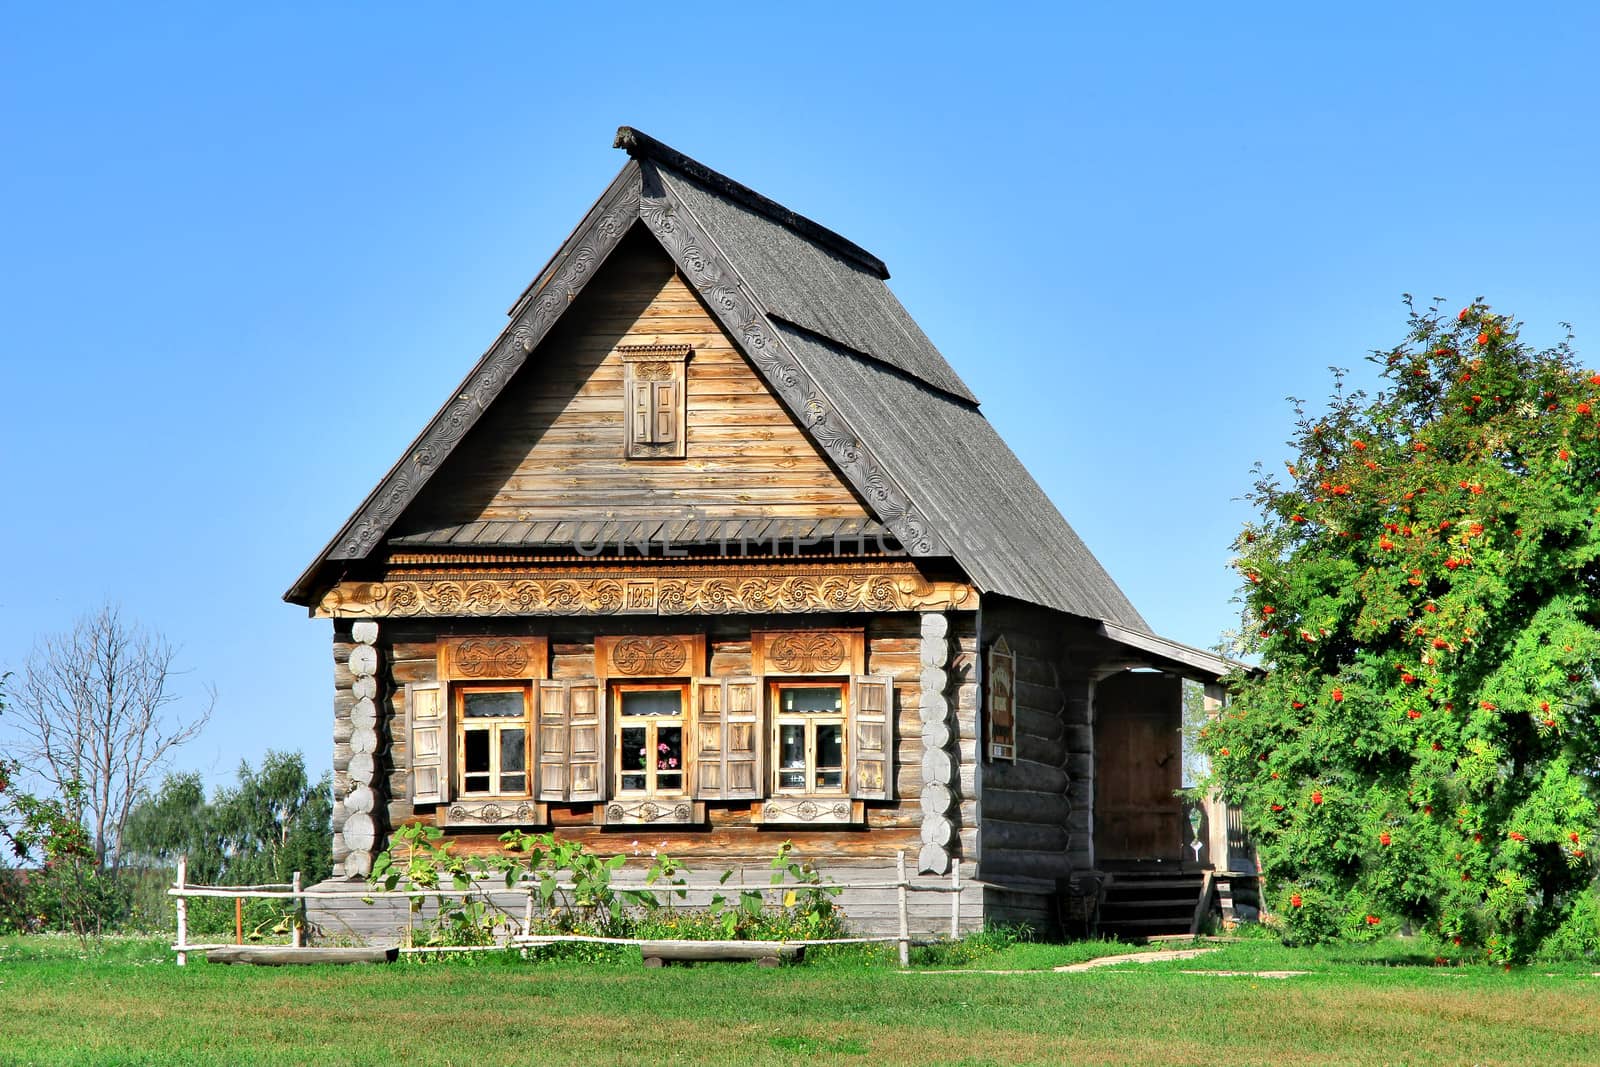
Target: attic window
(653,395)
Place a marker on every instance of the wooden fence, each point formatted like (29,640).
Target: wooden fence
(182,892)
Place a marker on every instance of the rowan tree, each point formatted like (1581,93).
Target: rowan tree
(1422,587)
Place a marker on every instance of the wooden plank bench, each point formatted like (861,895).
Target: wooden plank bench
(278,955)
(764,953)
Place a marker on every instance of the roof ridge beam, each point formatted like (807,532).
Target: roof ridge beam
(642,146)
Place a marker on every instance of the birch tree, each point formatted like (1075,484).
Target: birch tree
(96,718)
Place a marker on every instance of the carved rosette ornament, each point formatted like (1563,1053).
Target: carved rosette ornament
(649,657)
(817,653)
(646,595)
(360,829)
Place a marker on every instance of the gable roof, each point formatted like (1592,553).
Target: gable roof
(811,311)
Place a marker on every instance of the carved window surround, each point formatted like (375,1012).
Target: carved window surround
(635,656)
(654,385)
(813,653)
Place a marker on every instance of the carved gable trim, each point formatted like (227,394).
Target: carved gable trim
(808,652)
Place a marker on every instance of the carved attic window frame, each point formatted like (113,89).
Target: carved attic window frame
(655,384)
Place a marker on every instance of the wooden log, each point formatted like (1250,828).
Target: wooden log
(364,713)
(280,955)
(363,661)
(933,859)
(1024,806)
(1025,863)
(364,688)
(932,707)
(937,830)
(359,832)
(936,765)
(358,864)
(363,741)
(933,680)
(360,800)
(935,735)
(1026,775)
(361,767)
(767,953)
(1032,836)
(364,632)
(937,798)
(935,626)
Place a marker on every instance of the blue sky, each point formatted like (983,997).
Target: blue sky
(247,253)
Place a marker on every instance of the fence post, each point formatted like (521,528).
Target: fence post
(527,913)
(183,911)
(297,934)
(905,919)
(955,899)
(238,920)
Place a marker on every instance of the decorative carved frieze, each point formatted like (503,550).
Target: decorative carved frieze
(808,810)
(492,658)
(649,656)
(648,812)
(881,590)
(492,813)
(808,651)
(816,653)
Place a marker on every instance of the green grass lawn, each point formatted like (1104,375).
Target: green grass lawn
(127,1003)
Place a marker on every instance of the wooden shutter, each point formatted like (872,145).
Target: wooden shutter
(639,420)
(553,741)
(743,738)
(586,742)
(872,731)
(664,410)
(430,782)
(729,739)
(708,779)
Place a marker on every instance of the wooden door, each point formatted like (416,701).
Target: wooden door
(1138,765)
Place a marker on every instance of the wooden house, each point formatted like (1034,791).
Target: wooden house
(713,548)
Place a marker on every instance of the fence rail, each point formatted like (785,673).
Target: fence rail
(182,892)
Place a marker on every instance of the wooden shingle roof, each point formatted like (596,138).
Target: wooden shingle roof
(811,311)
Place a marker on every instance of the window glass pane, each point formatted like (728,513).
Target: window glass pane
(829,698)
(513,750)
(513,783)
(830,745)
(652,702)
(476,783)
(492,705)
(633,781)
(791,745)
(634,740)
(669,782)
(669,748)
(476,756)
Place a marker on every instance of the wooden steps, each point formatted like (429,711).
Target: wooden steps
(1142,904)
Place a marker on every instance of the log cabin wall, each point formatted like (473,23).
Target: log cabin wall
(1036,812)
(730,837)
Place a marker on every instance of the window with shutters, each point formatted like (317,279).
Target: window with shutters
(809,738)
(651,723)
(492,740)
(654,385)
